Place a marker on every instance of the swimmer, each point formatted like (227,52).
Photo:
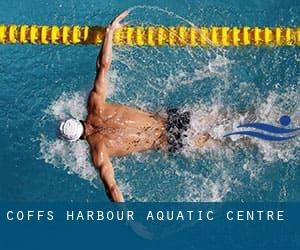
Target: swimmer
(114,130)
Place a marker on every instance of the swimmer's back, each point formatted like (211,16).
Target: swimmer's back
(126,130)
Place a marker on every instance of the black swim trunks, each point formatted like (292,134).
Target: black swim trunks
(177,125)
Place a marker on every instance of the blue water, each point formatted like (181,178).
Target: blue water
(42,84)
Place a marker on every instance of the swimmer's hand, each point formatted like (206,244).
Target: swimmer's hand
(115,24)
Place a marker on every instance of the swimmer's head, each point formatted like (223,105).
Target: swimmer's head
(70,130)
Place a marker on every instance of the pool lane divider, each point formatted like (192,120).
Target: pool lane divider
(152,35)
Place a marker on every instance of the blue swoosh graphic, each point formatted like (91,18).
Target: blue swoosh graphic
(269,128)
(261,136)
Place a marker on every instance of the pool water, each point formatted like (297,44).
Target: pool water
(43,84)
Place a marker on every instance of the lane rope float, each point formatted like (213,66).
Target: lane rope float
(152,35)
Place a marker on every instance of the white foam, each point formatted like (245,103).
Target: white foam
(211,188)
(68,105)
(72,157)
(271,110)
(216,121)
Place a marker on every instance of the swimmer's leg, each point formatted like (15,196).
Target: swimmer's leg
(200,140)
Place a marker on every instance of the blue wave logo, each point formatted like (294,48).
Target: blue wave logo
(279,133)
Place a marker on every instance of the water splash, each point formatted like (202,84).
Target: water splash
(74,158)
(192,185)
(215,85)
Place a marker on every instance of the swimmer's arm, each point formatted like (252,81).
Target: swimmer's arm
(103,64)
(105,56)
(103,164)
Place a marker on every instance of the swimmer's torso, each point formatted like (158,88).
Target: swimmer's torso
(124,130)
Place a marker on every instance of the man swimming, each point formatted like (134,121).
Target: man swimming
(117,130)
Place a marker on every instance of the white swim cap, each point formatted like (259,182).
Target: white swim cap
(70,130)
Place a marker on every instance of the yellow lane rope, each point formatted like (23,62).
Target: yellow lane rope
(152,35)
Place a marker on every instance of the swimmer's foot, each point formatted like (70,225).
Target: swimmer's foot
(200,140)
